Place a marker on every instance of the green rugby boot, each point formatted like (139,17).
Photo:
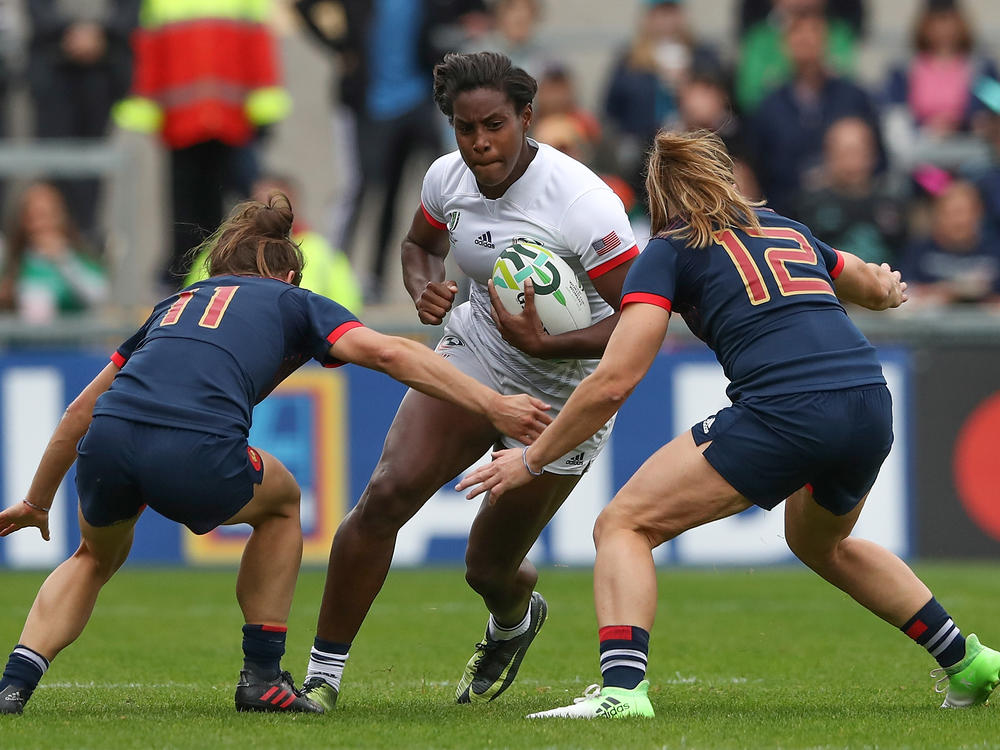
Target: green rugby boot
(493,667)
(605,703)
(320,691)
(972,680)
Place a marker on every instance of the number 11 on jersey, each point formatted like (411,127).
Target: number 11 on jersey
(214,310)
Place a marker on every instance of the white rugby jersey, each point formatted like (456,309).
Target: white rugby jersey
(558,203)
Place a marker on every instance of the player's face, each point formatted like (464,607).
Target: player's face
(490,136)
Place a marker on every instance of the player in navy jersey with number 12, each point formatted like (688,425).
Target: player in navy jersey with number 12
(810,421)
(166,425)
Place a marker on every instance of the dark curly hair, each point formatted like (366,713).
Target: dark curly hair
(481,70)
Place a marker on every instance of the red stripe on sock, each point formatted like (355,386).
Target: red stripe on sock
(615,633)
(269,693)
(274,628)
(917,629)
(291,699)
(280,697)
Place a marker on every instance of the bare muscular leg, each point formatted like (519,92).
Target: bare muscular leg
(429,443)
(675,490)
(66,599)
(502,534)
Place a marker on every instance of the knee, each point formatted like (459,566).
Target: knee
(496,569)
(99,565)
(387,503)
(616,519)
(292,493)
(485,578)
(608,521)
(816,556)
(288,499)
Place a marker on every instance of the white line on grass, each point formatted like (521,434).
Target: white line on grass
(123,685)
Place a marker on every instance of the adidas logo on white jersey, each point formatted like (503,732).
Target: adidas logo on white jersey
(486,240)
(576,460)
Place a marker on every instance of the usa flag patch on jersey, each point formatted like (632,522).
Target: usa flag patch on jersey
(607,243)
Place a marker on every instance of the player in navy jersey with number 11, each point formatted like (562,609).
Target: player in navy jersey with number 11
(166,425)
(810,420)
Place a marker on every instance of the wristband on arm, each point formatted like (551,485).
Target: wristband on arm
(524,458)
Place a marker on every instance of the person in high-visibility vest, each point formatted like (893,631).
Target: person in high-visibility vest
(327,270)
(207,79)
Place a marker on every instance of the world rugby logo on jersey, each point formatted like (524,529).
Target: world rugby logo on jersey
(452,217)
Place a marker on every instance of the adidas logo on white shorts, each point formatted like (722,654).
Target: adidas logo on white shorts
(576,460)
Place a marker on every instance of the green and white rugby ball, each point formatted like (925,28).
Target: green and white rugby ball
(559,297)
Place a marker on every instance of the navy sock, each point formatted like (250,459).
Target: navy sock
(330,647)
(932,628)
(624,654)
(263,647)
(24,667)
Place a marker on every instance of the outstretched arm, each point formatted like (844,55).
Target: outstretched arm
(876,287)
(628,357)
(521,417)
(59,455)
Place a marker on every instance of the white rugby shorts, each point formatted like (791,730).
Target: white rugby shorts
(455,348)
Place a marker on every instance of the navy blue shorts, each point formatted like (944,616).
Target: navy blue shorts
(835,441)
(194,478)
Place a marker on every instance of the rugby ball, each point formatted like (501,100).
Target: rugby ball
(559,297)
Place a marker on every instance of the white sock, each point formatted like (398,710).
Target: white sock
(500,633)
(328,667)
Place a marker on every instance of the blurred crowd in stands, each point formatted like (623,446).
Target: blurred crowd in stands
(906,171)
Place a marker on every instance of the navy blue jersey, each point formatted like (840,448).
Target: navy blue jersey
(764,302)
(209,353)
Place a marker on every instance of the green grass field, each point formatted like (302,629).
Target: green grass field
(740,659)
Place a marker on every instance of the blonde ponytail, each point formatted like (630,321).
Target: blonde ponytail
(695,173)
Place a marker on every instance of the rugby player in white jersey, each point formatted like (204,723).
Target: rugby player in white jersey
(498,187)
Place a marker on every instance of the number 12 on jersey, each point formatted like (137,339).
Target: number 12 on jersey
(214,310)
(777,259)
